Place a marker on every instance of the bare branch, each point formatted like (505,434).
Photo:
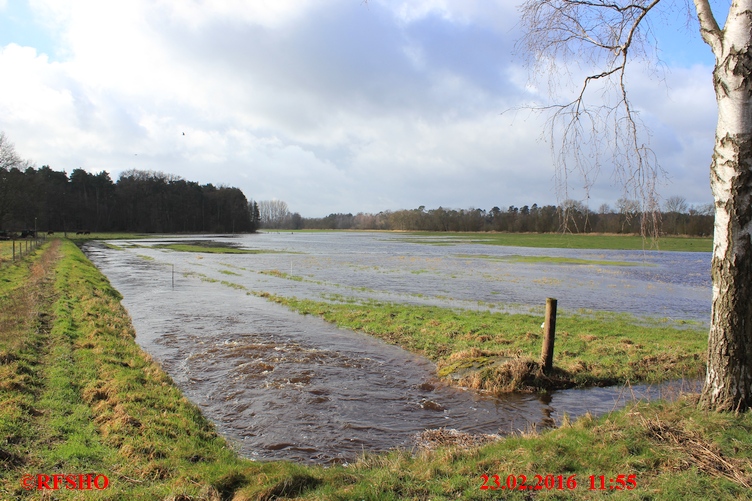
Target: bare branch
(598,125)
(709,29)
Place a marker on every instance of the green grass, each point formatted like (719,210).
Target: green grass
(210,249)
(282,274)
(6,251)
(21,246)
(206,247)
(231,273)
(78,395)
(499,352)
(565,241)
(71,235)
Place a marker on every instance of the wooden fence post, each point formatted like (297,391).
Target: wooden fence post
(549,332)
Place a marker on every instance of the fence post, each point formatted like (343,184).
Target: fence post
(14,250)
(549,332)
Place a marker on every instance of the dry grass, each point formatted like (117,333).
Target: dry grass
(430,440)
(694,451)
(516,374)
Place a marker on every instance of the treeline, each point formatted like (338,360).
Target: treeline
(140,201)
(676,219)
(155,202)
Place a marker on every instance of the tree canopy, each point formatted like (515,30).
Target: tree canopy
(140,201)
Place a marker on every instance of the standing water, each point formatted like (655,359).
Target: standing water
(280,385)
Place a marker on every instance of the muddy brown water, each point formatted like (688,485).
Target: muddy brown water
(280,385)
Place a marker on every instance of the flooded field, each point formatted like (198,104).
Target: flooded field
(282,385)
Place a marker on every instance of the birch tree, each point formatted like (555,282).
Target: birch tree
(9,160)
(605,38)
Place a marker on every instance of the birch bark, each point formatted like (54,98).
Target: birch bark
(728,383)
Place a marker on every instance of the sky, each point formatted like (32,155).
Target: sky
(329,105)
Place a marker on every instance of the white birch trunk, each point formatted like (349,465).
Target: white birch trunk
(728,384)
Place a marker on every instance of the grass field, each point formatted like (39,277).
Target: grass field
(78,396)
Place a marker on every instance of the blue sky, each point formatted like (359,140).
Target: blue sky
(329,105)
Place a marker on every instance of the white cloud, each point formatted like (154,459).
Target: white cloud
(478,12)
(332,106)
(275,14)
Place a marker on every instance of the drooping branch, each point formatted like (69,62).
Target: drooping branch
(598,125)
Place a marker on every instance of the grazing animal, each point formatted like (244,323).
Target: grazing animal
(50,232)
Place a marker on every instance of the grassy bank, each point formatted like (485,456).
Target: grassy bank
(499,352)
(77,395)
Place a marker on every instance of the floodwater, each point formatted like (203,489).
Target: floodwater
(280,385)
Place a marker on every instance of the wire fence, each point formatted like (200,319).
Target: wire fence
(15,249)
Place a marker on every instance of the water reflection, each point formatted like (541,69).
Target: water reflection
(282,385)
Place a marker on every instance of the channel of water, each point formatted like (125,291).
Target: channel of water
(280,385)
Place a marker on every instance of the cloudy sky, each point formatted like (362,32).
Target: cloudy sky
(329,105)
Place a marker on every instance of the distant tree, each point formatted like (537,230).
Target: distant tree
(296,221)
(675,215)
(704,210)
(151,201)
(51,189)
(574,216)
(9,161)
(273,213)
(629,211)
(253,208)
(676,204)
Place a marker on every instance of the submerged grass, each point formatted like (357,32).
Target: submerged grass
(71,235)
(210,249)
(499,352)
(551,260)
(77,395)
(567,241)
